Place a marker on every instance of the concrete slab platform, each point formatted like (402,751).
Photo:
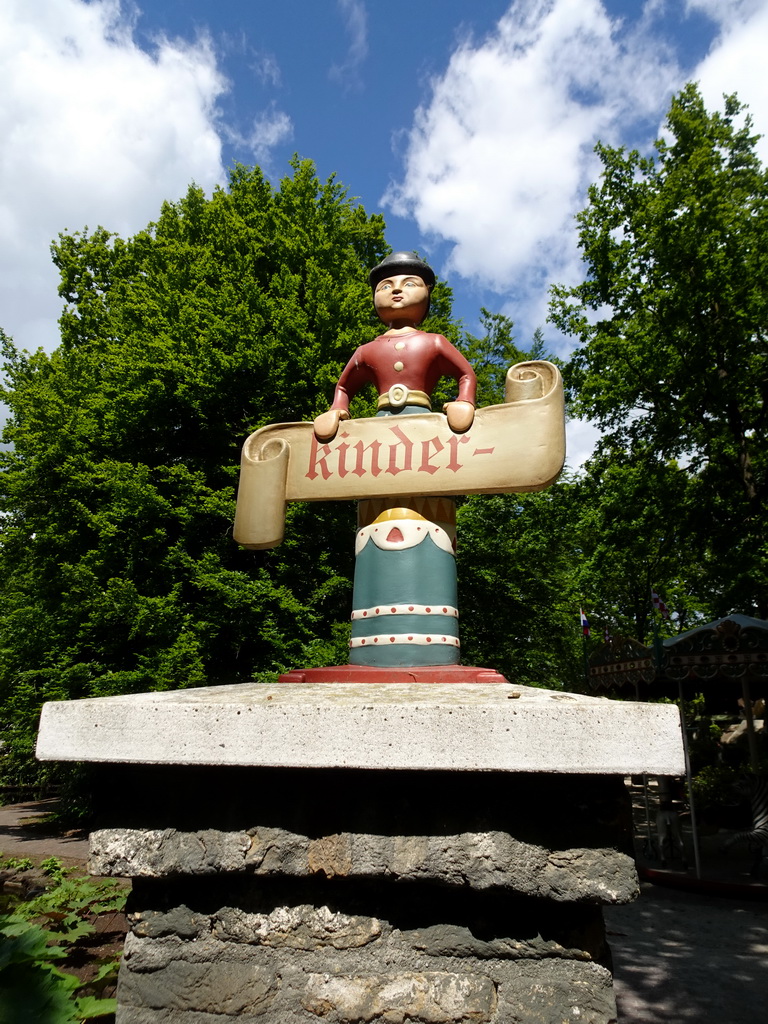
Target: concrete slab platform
(460,727)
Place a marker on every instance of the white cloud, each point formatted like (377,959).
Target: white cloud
(95,131)
(499,160)
(725,11)
(497,163)
(580,440)
(356,21)
(266,69)
(735,62)
(271,127)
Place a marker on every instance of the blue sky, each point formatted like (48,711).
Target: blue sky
(471,127)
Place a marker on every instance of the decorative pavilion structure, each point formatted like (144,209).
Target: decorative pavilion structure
(719,656)
(621,664)
(722,659)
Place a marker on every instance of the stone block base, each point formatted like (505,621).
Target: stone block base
(341,896)
(369,952)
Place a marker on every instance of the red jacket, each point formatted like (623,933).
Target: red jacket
(415,360)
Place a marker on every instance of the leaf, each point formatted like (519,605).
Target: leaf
(87,1007)
(32,992)
(25,942)
(107,972)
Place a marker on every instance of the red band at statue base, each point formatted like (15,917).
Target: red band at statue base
(376,674)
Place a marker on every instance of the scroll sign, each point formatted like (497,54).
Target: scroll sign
(516,446)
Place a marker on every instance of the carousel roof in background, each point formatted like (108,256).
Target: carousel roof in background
(730,650)
(621,662)
(733,647)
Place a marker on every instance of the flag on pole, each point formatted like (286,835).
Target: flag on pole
(659,605)
(584,622)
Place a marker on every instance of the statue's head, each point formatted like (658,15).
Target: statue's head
(402,271)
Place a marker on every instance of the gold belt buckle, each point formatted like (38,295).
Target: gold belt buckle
(398,396)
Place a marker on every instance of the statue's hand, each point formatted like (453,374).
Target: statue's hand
(327,423)
(460,415)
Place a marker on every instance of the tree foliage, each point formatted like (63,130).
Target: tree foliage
(118,566)
(519,585)
(117,487)
(673,361)
(632,521)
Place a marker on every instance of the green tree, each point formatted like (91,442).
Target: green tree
(538,348)
(673,362)
(117,562)
(518,577)
(492,355)
(118,566)
(518,571)
(632,521)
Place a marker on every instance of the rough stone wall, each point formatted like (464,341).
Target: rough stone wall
(337,897)
(439,956)
(480,860)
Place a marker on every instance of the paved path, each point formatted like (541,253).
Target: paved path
(22,834)
(684,957)
(678,956)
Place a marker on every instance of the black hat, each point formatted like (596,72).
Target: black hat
(402,263)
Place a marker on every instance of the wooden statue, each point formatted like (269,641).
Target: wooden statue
(403,467)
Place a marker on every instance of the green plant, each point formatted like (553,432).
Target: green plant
(52,866)
(15,864)
(713,786)
(71,902)
(47,929)
(670,316)
(31,986)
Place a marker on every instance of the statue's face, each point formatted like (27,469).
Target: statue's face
(401,297)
